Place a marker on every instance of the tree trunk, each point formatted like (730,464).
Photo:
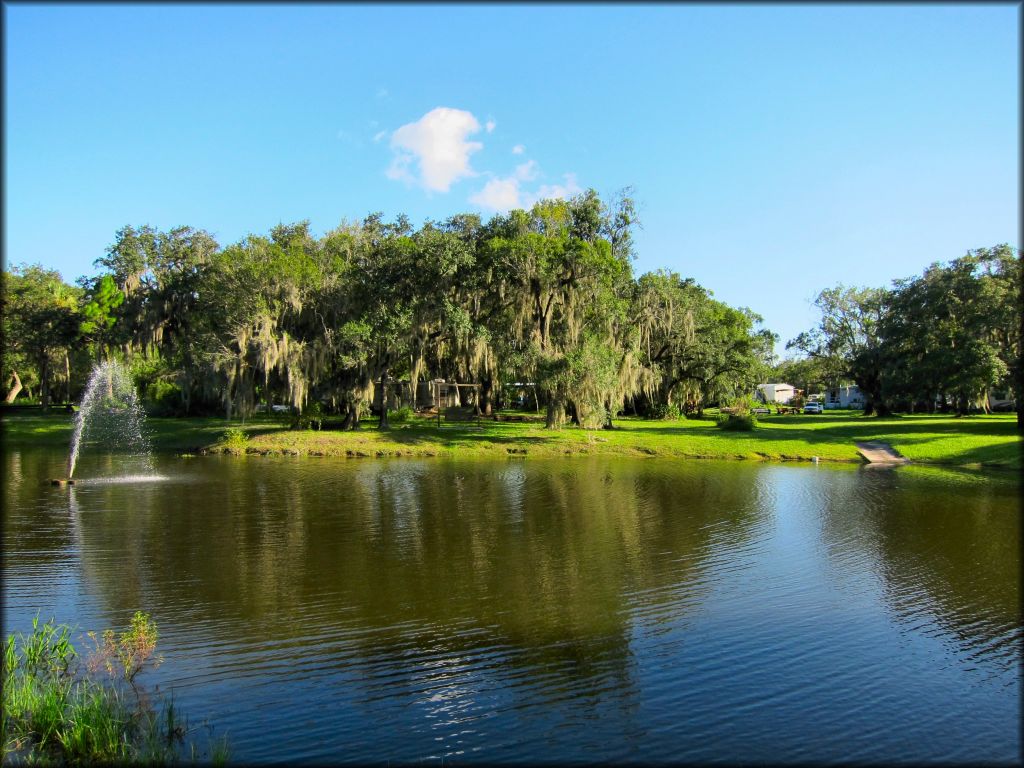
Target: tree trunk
(486,388)
(44,383)
(383,423)
(608,416)
(186,392)
(351,420)
(15,388)
(67,376)
(962,406)
(574,415)
(554,416)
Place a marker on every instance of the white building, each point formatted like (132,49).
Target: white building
(776,393)
(848,396)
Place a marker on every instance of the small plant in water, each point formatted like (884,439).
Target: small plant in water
(127,652)
(56,710)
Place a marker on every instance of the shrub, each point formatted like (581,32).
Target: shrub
(401,415)
(164,398)
(311,417)
(130,650)
(664,411)
(738,422)
(234,440)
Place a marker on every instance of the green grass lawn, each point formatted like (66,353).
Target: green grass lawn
(974,441)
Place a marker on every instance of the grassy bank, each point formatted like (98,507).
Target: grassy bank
(974,441)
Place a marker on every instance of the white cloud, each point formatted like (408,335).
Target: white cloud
(438,144)
(559,191)
(498,195)
(527,171)
(490,125)
(379,135)
(518,149)
(504,194)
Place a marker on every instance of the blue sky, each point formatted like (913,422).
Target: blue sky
(774,150)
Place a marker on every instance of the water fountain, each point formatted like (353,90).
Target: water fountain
(111,415)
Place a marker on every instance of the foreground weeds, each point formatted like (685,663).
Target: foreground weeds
(61,709)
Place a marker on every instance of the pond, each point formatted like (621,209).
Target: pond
(590,609)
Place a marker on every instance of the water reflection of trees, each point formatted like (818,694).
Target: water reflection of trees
(549,560)
(34,512)
(947,548)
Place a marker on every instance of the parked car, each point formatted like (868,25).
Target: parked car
(813,408)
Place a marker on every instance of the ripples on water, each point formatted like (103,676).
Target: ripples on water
(321,610)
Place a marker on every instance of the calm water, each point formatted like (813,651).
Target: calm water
(576,610)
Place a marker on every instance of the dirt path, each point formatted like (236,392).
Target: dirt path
(880,453)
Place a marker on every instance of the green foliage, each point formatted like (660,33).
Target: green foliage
(234,440)
(741,404)
(311,417)
(848,340)
(400,415)
(128,651)
(55,710)
(737,422)
(545,296)
(164,398)
(951,334)
(98,312)
(661,410)
(698,349)
(39,324)
(940,337)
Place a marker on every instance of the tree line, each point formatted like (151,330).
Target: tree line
(942,340)
(546,296)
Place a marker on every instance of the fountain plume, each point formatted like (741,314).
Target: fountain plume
(110,414)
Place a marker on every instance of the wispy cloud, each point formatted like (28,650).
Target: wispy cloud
(490,125)
(556,191)
(527,171)
(437,144)
(518,149)
(505,194)
(348,137)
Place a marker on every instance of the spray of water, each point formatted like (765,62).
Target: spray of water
(111,416)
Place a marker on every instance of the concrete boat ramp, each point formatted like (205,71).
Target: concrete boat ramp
(880,454)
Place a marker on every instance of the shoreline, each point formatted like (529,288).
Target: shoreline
(988,442)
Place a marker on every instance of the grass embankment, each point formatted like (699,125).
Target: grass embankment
(973,441)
